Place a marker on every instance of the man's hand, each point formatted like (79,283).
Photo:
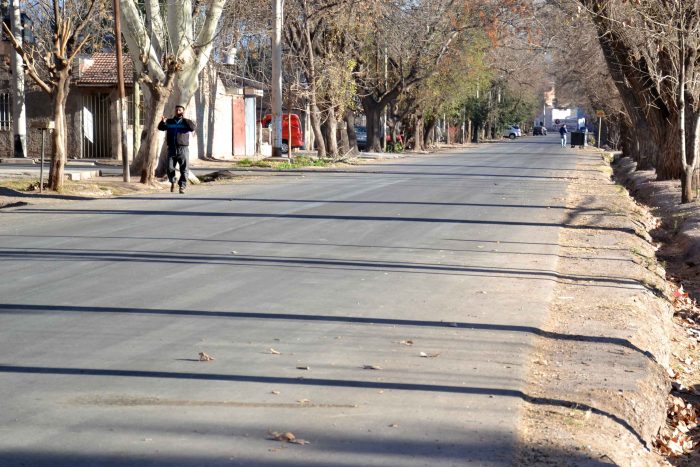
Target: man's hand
(163,118)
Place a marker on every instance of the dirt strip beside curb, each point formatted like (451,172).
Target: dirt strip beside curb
(598,378)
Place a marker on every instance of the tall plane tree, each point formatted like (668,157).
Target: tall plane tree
(170,43)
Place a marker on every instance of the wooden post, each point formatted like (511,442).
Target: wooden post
(122,91)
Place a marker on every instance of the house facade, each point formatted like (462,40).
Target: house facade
(226,116)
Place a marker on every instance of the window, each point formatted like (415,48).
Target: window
(5,111)
(130,110)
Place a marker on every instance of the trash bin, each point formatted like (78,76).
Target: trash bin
(578,138)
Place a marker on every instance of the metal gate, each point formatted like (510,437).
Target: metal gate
(97,124)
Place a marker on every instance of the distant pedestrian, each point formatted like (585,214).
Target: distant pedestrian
(178,131)
(563,131)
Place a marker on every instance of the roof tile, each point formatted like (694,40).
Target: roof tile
(103,71)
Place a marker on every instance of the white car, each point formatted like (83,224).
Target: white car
(512,132)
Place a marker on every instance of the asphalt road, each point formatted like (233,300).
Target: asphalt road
(105,306)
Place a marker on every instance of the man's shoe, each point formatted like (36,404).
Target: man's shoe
(182,189)
(172,187)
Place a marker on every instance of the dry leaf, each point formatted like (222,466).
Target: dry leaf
(429,355)
(286,437)
(394,425)
(274,352)
(372,367)
(406,342)
(276,393)
(205,357)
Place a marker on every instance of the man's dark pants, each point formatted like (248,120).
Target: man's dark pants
(178,155)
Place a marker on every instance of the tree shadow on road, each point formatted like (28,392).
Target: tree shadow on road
(43,255)
(322,382)
(22,309)
(338,217)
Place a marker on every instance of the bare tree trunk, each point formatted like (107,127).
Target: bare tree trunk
(311,75)
(418,135)
(59,137)
(60,132)
(147,159)
(352,136)
(318,133)
(332,141)
(428,135)
(690,152)
(344,140)
(373,112)
(669,166)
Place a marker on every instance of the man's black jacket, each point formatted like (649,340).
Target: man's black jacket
(178,131)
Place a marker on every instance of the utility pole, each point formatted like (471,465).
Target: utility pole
(277,79)
(122,91)
(19,113)
(385,121)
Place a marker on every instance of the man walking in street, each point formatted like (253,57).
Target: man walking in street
(178,139)
(563,132)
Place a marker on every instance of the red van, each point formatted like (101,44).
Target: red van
(297,134)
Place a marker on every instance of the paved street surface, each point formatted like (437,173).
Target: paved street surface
(105,306)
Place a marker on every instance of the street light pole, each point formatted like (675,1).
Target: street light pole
(122,91)
(277,79)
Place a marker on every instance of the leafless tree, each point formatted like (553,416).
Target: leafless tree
(62,31)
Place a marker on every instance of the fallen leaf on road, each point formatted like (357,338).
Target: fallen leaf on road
(394,425)
(205,357)
(303,368)
(304,401)
(274,352)
(286,437)
(276,393)
(429,355)
(408,342)
(372,367)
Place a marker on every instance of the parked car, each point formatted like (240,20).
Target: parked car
(361,135)
(297,140)
(539,131)
(512,132)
